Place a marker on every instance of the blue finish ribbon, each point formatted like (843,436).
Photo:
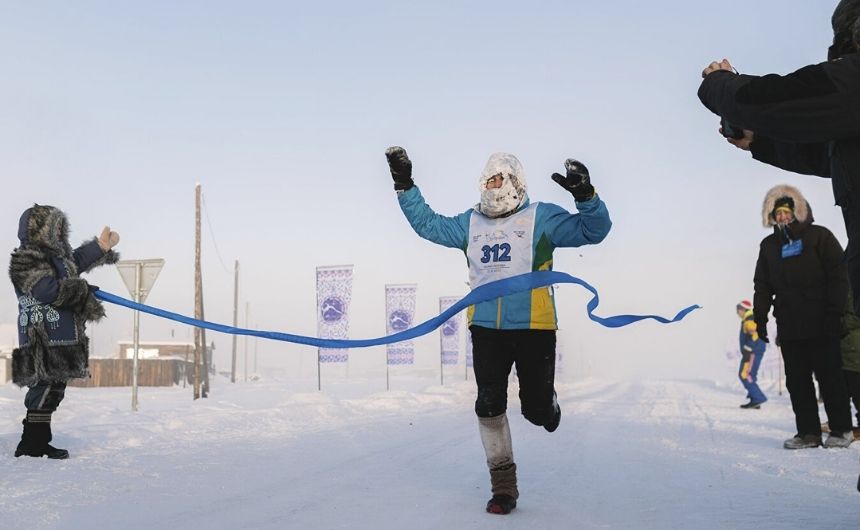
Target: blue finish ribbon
(488,291)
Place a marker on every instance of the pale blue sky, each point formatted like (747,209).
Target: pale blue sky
(113,110)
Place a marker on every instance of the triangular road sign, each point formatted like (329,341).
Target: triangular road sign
(149,273)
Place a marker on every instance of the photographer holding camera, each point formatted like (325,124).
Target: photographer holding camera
(806,122)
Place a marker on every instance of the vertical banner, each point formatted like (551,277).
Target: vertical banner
(400,312)
(334,291)
(449,333)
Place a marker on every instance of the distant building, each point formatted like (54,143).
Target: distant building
(8,342)
(5,365)
(157,350)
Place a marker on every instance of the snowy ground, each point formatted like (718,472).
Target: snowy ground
(647,454)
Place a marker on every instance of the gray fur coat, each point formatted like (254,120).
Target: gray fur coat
(54,303)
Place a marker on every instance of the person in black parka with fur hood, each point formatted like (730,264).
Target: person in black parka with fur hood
(801,273)
(54,305)
(805,122)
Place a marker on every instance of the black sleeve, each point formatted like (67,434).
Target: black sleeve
(836,274)
(763,290)
(807,159)
(818,103)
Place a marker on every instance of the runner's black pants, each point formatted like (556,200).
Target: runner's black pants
(532,351)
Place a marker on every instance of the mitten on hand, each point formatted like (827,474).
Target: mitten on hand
(577,181)
(108,239)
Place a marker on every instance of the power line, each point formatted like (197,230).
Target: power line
(212,235)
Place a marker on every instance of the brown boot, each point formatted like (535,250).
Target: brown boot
(496,438)
(505,493)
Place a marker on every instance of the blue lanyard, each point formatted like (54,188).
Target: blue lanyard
(792,248)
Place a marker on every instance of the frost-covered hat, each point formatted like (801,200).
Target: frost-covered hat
(497,202)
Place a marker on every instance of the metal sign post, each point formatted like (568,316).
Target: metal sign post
(139,276)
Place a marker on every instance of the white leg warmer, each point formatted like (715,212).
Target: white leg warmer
(496,437)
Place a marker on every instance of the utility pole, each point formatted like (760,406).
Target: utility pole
(206,360)
(199,344)
(245,339)
(235,316)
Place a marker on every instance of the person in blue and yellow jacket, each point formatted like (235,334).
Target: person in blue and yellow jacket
(502,236)
(752,351)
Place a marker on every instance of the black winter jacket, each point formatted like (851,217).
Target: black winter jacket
(809,291)
(806,122)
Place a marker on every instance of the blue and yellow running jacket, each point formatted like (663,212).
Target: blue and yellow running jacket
(498,248)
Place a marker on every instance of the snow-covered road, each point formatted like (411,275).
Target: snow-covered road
(644,454)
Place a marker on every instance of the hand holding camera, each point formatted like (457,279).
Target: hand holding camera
(737,136)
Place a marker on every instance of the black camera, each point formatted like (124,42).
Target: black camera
(730,131)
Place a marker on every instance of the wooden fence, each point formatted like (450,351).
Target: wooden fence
(5,369)
(152,372)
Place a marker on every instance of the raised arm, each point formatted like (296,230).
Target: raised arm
(446,231)
(817,103)
(591,224)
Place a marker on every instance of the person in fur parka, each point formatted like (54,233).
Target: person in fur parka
(801,273)
(54,305)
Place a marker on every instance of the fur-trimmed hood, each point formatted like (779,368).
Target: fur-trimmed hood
(54,303)
(846,28)
(846,17)
(47,227)
(802,210)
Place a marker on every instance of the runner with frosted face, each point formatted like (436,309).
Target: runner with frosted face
(504,235)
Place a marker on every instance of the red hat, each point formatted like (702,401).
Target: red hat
(746,305)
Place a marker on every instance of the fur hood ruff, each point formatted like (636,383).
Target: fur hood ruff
(802,210)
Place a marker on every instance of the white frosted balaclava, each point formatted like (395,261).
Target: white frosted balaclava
(498,202)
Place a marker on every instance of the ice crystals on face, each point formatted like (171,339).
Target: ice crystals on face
(496,202)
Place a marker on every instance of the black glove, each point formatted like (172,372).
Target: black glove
(577,181)
(400,166)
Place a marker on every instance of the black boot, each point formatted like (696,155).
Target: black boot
(35,438)
(552,425)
